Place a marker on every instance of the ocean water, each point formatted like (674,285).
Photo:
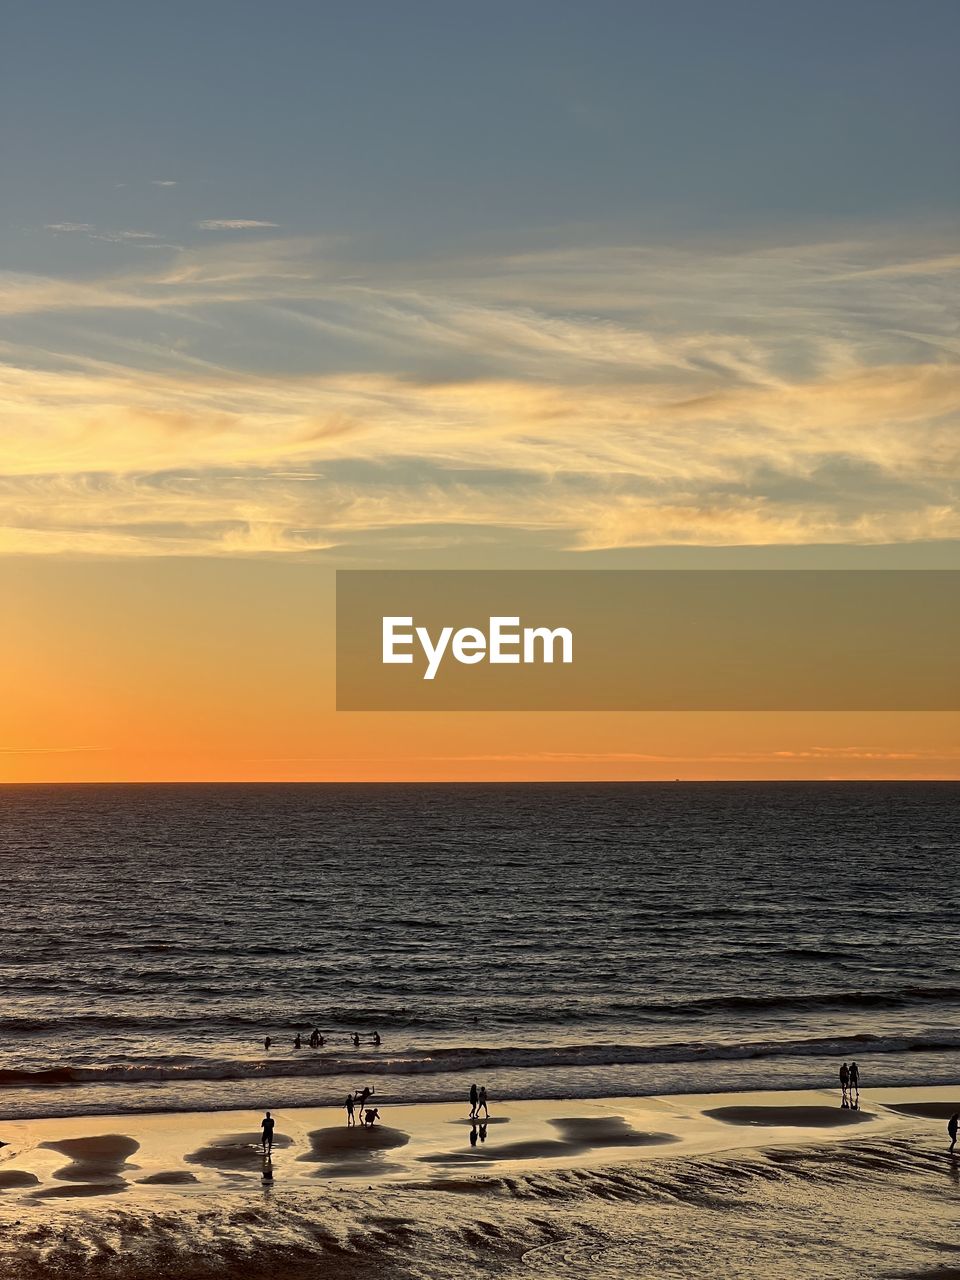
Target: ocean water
(546,940)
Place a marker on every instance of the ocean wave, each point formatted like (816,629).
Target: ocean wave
(473,1058)
(569,1013)
(884,998)
(359,1017)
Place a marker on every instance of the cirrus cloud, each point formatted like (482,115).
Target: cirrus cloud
(278,395)
(234,224)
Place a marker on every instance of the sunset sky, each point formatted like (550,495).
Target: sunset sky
(296,287)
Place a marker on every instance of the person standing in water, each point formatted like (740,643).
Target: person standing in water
(482,1102)
(844,1082)
(854,1081)
(376,1037)
(297,1042)
(356,1040)
(474,1096)
(267,1042)
(349,1106)
(266,1132)
(952,1131)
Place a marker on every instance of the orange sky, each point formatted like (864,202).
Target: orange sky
(427,291)
(192,669)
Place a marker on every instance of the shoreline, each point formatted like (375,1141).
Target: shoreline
(129,1102)
(587,1190)
(196,1150)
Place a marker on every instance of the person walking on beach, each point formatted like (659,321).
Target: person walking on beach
(482,1102)
(952,1131)
(844,1082)
(266,1132)
(349,1106)
(854,1081)
(474,1098)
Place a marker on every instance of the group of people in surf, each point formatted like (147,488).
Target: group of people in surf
(317,1040)
(850,1086)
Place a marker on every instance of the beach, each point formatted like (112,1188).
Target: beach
(673,1185)
(656,985)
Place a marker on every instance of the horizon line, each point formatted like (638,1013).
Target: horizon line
(463,782)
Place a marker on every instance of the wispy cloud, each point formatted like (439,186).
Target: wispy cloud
(163,182)
(90,232)
(838,754)
(234,224)
(277,395)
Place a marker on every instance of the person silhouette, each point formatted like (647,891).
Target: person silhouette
(349,1106)
(473,1135)
(266,1132)
(482,1101)
(952,1131)
(474,1096)
(483,1133)
(844,1082)
(297,1042)
(267,1042)
(314,1038)
(356,1040)
(854,1080)
(376,1037)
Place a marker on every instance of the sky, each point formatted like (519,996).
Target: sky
(303,286)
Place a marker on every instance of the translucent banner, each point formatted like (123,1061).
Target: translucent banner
(648,640)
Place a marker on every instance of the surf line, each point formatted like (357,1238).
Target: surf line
(503,641)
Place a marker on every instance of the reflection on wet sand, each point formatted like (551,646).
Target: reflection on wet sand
(579,1134)
(168,1178)
(235,1150)
(96,1164)
(355,1150)
(926,1110)
(787,1117)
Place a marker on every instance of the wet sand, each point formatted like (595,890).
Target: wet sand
(793,1117)
(115,1197)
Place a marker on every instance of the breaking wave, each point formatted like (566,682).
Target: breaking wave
(474,1058)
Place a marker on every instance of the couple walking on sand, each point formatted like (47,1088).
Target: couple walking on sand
(850,1085)
(478,1100)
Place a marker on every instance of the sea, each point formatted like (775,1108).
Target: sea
(543,940)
